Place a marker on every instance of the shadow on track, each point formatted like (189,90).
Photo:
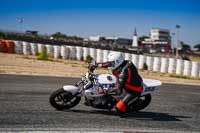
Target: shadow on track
(151,116)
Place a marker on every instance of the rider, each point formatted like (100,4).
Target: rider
(128,78)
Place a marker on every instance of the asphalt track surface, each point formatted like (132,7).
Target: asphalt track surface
(24,106)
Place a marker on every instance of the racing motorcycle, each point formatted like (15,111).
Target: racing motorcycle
(100,91)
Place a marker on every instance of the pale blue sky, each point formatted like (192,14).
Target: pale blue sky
(103,17)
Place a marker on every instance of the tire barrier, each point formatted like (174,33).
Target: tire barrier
(149,62)
(72,52)
(195,69)
(34,48)
(85,52)
(164,65)
(141,62)
(187,68)
(127,56)
(134,59)
(57,51)
(65,52)
(172,65)
(3,47)
(156,64)
(10,46)
(26,48)
(18,47)
(50,50)
(93,53)
(179,66)
(41,47)
(99,55)
(62,49)
(105,55)
(79,53)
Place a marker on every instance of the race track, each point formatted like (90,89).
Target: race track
(24,106)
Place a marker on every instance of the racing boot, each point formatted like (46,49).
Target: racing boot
(121,109)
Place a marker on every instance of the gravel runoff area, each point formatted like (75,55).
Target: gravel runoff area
(24,107)
(29,65)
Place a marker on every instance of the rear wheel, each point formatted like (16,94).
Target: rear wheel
(141,103)
(61,99)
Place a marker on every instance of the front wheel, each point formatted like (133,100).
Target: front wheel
(61,99)
(141,103)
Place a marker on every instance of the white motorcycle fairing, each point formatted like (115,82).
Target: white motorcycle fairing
(150,85)
(71,88)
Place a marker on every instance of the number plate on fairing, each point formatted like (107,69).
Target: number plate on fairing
(148,89)
(107,81)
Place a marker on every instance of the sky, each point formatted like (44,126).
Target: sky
(116,18)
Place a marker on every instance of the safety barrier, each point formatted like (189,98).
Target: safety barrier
(50,50)
(164,65)
(155,64)
(187,68)
(79,53)
(26,48)
(195,69)
(134,59)
(99,55)
(105,55)
(179,67)
(18,47)
(85,53)
(57,52)
(93,53)
(34,48)
(127,56)
(72,52)
(172,65)
(141,62)
(41,47)
(149,62)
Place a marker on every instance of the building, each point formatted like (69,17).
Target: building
(135,39)
(159,41)
(135,45)
(112,42)
(94,38)
(117,42)
(158,34)
(32,32)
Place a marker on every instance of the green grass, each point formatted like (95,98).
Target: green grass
(43,55)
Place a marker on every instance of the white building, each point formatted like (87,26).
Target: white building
(160,34)
(135,39)
(159,39)
(94,38)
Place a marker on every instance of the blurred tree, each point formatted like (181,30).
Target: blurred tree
(59,35)
(185,46)
(142,38)
(197,47)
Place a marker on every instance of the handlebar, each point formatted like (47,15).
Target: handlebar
(91,68)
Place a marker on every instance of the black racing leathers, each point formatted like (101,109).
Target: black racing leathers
(128,79)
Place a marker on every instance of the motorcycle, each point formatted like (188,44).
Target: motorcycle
(100,91)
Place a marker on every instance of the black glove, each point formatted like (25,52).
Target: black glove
(92,67)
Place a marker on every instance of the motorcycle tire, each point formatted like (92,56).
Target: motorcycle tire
(141,103)
(61,99)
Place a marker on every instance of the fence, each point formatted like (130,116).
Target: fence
(155,64)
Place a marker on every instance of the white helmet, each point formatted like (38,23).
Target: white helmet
(116,58)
